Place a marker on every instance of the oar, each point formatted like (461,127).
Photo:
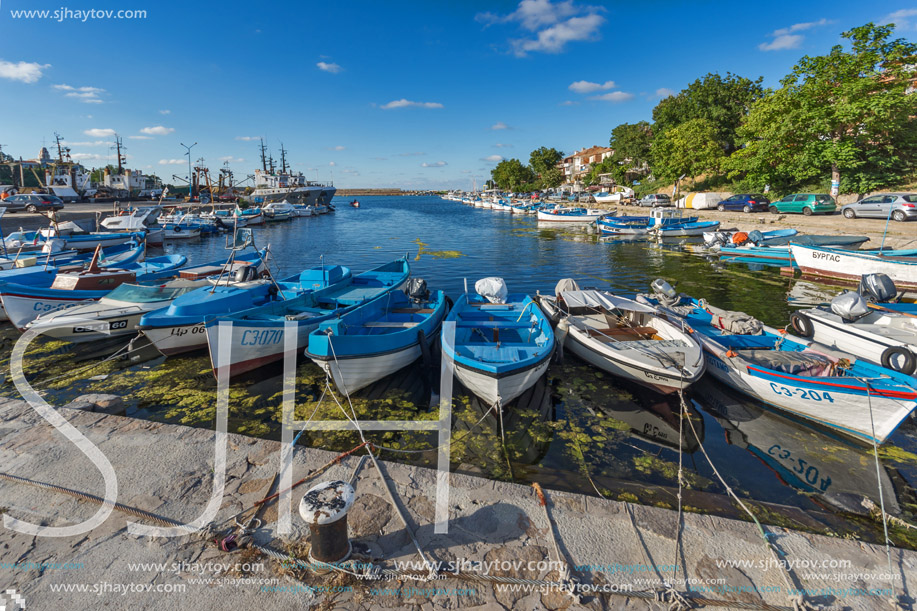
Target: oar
(876,306)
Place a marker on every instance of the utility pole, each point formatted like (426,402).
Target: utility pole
(188,153)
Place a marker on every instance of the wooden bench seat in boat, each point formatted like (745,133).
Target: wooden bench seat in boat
(202,271)
(623,332)
(411,310)
(493,324)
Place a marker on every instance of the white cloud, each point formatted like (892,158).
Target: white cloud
(158,130)
(88,157)
(588,87)
(26,72)
(337,148)
(786,38)
(232,159)
(664,92)
(554,24)
(91,143)
(87,95)
(165,112)
(415,154)
(569,103)
(248,138)
(614,96)
(499,125)
(435,164)
(329,67)
(97,132)
(140,137)
(500,145)
(172,162)
(493,158)
(404,103)
(901,18)
(332,163)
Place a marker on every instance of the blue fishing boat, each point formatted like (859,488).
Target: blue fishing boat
(804,379)
(377,338)
(776,252)
(499,349)
(682,229)
(235,286)
(725,239)
(23,303)
(257,334)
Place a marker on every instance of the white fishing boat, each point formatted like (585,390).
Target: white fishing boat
(572,215)
(138,219)
(116,314)
(868,331)
(624,338)
(852,265)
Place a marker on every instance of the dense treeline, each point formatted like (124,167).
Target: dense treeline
(848,116)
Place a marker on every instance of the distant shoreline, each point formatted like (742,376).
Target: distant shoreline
(365,192)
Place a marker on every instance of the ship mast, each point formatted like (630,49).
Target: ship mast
(283,159)
(121,158)
(263,156)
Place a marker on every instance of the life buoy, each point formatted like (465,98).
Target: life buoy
(802,324)
(176,229)
(899,359)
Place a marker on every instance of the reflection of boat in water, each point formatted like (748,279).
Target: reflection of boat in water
(654,418)
(520,417)
(799,456)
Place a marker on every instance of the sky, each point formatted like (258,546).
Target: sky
(413,95)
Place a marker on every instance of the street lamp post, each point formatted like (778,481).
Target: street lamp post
(188,153)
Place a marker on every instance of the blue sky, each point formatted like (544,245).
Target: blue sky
(381,94)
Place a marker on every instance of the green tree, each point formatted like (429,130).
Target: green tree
(551,178)
(631,143)
(724,101)
(511,173)
(692,148)
(847,113)
(543,159)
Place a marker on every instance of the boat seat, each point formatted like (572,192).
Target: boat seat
(492,324)
(794,363)
(393,325)
(411,310)
(623,331)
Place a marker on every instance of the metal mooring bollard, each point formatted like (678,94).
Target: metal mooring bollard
(325,508)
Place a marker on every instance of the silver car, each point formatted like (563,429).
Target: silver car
(901,206)
(655,199)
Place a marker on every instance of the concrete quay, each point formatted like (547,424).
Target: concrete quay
(495,528)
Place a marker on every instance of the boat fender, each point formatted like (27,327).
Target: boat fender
(802,324)
(176,229)
(900,359)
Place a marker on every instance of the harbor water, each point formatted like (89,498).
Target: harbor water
(579,429)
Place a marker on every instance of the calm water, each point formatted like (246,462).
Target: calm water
(579,429)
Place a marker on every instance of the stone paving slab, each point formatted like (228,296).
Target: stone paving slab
(167,469)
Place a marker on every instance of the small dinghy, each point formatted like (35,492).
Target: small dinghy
(868,331)
(625,338)
(503,342)
(379,337)
(800,377)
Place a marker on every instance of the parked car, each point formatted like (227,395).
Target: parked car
(805,203)
(746,202)
(901,206)
(655,199)
(32,202)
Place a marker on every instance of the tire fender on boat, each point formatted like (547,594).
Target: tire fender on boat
(802,324)
(900,359)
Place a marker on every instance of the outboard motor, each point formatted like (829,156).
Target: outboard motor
(664,292)
(878,288)
(849,306)
(245,274)
(53,245)
(755,237)
(417,290)
(565,284)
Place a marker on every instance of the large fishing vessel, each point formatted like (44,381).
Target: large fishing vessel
(276,184)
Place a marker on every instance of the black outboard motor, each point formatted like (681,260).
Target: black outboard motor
(417,290)
(245,274)
(877,288)
(755,237)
